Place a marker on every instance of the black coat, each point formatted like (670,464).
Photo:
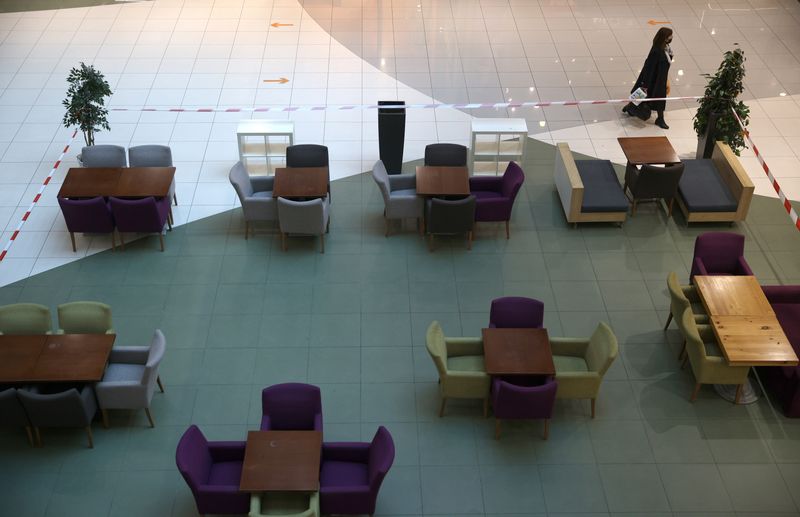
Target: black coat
(653,77)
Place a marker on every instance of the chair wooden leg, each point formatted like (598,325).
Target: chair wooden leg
(113,241)
(169,224)
(246,230)
(161,240)
(594,404)
(30,435)
(38,436)
(385,227)
(633,208)
(508,234)
(160,386)
(441,407)
(695,392)
(90,437)
(739,390)
(149,416)
(496,428)
(170,217)
(72,238)
(104,413)
(669,320)
(547,428)
(328,225)
(283,241)
(669,207)
(175,199)
(322,243)
(122,241)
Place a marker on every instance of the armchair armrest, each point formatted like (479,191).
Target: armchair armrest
(699,266)
(402,181)
(129,354)
(691,294)
(486,183)
(262,183)
(318,422)
(355,452)
(458,346)
(782,293)
(706,333)
(744,267)
(226,451)
(570,346)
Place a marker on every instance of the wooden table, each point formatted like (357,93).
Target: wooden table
(54,358)
(648,150)
(285,461)
(511,351)
(442,181)
(117,182)
(307,182)
(747,330)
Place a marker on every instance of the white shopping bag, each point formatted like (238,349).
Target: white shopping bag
(637,96)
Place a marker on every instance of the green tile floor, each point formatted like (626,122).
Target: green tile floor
(241,314)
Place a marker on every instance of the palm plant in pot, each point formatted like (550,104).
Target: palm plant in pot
(714,120)
(85,102)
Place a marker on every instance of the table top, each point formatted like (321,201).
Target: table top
(512,351)
(724,295)
(442,181)
(286,461)
(753,341)
(648,150)
(306,182)
(117,181)
(54,358)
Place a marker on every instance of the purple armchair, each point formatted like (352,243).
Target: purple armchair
(719,253)
(516,312)
(527,398)
(141,215)
(784,381)
(87,215)
(352,473)
(495,195)
(213,471)
(292,406)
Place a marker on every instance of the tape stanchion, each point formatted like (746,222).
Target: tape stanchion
(787,205)
(36,198)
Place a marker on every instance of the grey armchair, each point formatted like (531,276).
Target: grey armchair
(25,318)
(103,156)
(449,217)
(74,407)
(255,194)
(12,414)
(153,156)
(305,218)
(652,183)
(131,377)
(399,193)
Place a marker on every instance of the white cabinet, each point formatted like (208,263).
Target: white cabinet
(495,142)
(262,144)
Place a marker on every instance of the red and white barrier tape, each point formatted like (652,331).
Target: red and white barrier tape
(786,203)
(346,107)
(36,198)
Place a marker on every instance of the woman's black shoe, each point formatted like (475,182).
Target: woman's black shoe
(660,123)
(625,110)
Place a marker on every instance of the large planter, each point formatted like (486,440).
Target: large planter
(705,143)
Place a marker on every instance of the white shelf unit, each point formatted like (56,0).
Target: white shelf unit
(495,142)
(262,144)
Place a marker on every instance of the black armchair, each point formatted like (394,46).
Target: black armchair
(652,183)
(450,217)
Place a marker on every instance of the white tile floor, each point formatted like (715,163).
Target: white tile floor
(201,53)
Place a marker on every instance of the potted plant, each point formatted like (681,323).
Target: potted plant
(85,101)
(714,120)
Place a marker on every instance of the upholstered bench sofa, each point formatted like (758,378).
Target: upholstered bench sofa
(716,189)
(784,381)
(589,189)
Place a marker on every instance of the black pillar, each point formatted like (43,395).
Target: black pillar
(391,135)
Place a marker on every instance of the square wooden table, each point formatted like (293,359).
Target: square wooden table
(442,181)
(117,182)
(648,150)
(54,358)
(511,351)
(747,330)
(308,182)
(285,461)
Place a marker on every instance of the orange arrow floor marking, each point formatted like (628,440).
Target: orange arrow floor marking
(656,22)
(276,24)
(282,80)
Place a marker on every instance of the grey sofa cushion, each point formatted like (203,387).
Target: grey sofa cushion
(601,189)
(703,190)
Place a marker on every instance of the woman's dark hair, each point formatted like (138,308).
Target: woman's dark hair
(660,40)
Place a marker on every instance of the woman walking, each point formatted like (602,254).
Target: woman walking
(654,78)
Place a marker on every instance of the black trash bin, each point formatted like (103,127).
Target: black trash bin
(391,135)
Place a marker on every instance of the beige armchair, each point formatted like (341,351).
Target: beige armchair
(708,364)
(581,363)
(462,373)
(684,297)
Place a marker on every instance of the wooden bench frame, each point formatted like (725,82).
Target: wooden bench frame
(738,181)
(570,190)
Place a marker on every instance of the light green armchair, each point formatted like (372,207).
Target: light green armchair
(85,318)
(284,504)
(708,364)
(25,318)
(462,373)
(682,296)
(581,363)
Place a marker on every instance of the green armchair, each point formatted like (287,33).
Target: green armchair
(708,364)
(25,318)
(462,373)
(581,363)
(284,504)
(683,297)
(84,318)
